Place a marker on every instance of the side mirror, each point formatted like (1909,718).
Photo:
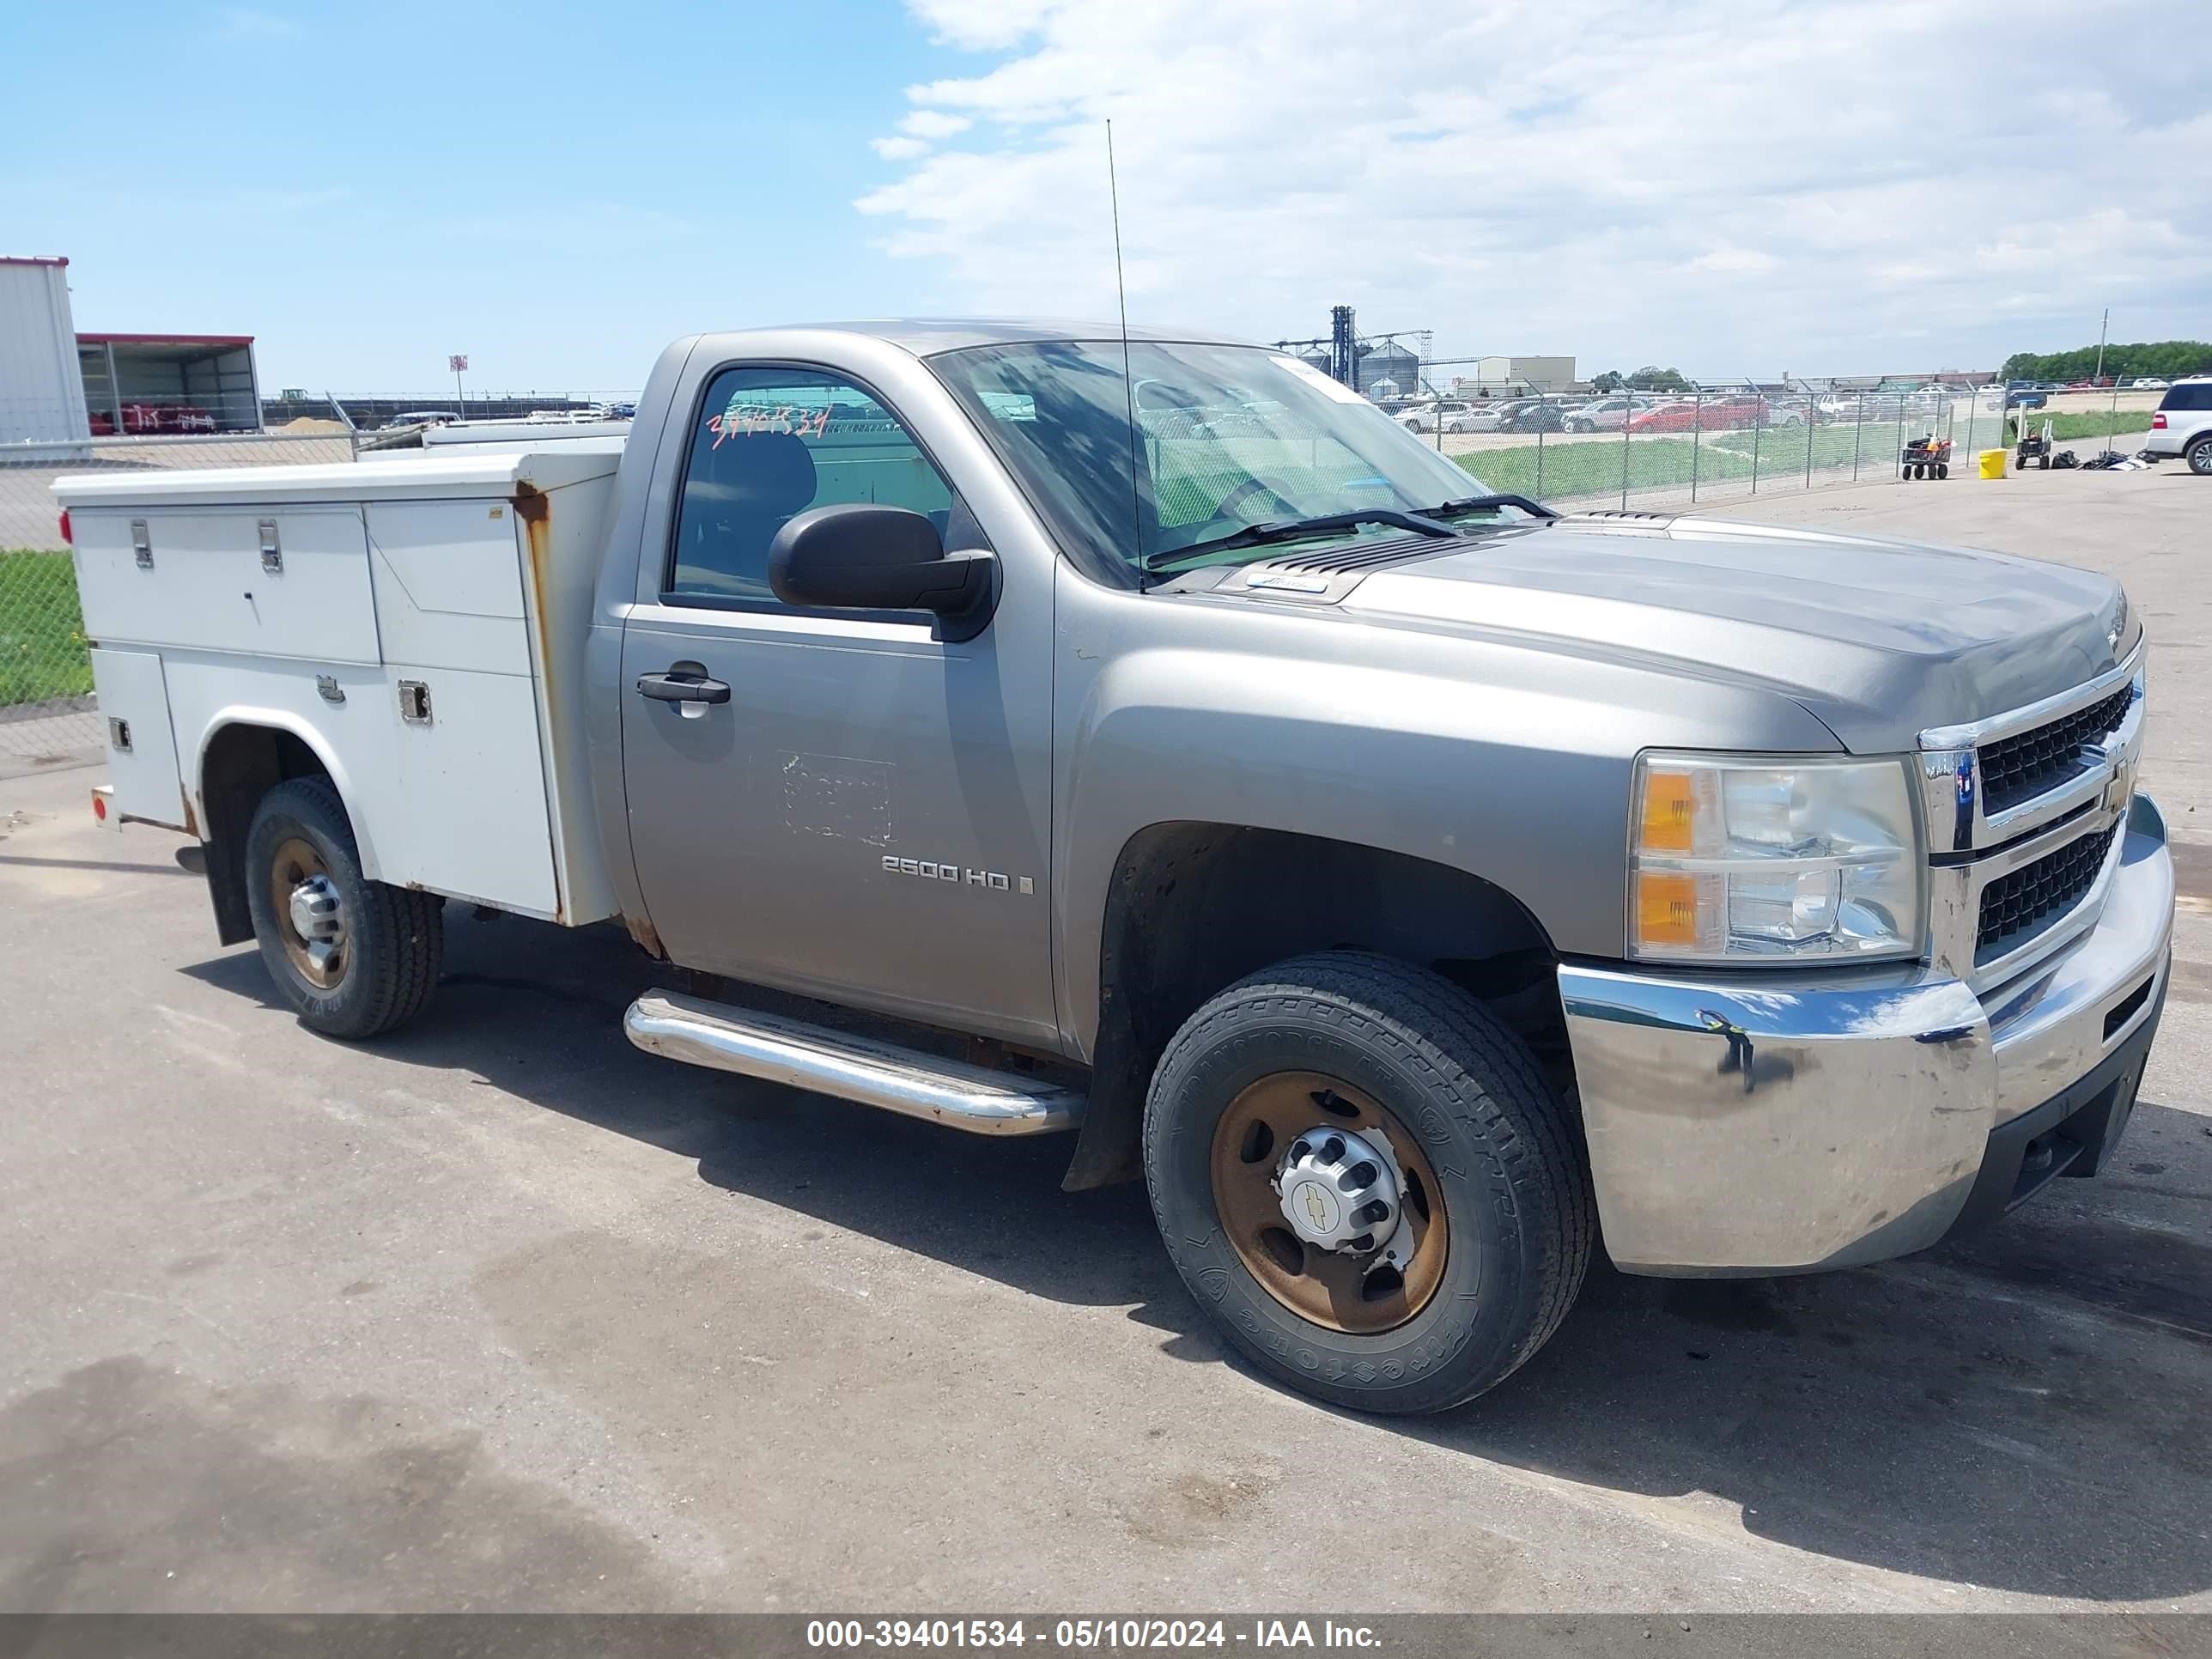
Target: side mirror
(861,557)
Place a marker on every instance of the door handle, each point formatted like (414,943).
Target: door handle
(674,687)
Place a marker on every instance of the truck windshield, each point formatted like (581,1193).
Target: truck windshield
(1227,437)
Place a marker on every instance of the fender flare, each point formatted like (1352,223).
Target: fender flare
(285,721)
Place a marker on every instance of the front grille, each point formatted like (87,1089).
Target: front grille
(2019,905)
(2015,770)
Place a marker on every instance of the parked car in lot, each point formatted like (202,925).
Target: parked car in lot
(2148,383)
(2182,425)
(1605,414)
(1451,415)
(1535,415)
(1680,415)
(1479,418)
(1421,890)
(1739,411)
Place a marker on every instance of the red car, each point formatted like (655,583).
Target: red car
(1685,416)
(1728,412)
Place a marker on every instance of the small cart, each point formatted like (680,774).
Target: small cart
(1925,458)
(2035,447)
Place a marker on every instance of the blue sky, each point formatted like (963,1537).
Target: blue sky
(366,188)
(1727,187)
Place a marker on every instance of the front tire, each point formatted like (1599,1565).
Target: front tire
(351,957)
(1342,1061)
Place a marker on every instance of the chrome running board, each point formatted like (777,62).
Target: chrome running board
(905,1080)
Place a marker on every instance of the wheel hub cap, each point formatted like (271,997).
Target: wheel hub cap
(1300,1162)
(318,918)
(1339,1190)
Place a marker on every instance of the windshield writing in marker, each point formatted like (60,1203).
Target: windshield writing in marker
(743,420)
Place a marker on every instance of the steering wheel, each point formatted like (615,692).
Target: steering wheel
(1227,520)
(1244,492)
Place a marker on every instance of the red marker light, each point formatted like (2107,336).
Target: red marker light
(68,539)
(100,806)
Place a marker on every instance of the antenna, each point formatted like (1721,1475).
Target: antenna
(1128,377)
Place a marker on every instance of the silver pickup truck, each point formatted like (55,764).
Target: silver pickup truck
(1420,888)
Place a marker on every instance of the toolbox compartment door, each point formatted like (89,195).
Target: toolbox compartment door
(203,581)
(141,747)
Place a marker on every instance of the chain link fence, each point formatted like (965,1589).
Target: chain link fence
(1659,450)
(1691,448)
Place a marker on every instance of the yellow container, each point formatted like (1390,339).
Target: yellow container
(1993,462)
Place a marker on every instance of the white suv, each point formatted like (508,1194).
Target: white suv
(1425,417)
(2183,425)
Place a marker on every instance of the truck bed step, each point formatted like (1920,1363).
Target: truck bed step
(832,1062)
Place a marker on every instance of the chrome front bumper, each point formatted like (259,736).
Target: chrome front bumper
(1781,1124)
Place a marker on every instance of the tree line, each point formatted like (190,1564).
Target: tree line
(1649,377)
(2164,360)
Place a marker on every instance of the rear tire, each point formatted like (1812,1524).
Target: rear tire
(352,958)
(2199,456)
(1454,1093)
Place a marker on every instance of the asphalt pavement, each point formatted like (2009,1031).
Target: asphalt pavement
(499,1313)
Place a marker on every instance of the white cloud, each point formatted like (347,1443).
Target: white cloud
(1734,185)
(935,124)
(984,24)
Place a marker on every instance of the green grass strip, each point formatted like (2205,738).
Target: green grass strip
(43,652)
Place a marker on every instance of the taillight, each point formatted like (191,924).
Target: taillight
(2157,424)
(68,540)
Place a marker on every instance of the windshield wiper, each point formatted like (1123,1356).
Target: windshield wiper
(1284,530)
(1480,503)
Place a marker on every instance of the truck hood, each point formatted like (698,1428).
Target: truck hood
(1879,638)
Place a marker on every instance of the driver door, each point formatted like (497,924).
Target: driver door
(846,807)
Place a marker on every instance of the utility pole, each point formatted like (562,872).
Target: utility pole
(2102,328)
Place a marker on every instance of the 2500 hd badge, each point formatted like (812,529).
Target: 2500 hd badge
(931,870)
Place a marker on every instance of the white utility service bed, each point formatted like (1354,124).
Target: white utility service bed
(419,623)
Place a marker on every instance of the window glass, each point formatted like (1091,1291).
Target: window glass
(1225,437)
(772,442)
(2192,395)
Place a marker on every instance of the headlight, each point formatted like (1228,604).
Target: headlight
(1757,859)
